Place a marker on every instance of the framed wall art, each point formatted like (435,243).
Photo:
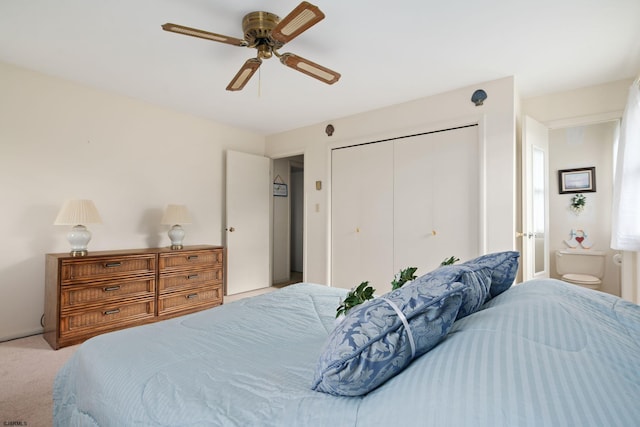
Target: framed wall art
(581,180)
(279,187)
(280,190)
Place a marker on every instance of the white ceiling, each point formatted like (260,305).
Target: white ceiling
(387,52)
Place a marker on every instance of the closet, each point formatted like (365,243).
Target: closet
(404,202)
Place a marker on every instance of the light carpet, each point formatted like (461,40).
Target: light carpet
(28,367)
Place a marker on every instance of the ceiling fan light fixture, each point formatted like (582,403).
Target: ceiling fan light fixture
(264,51)
(310,68)
(303,17)
(244,74)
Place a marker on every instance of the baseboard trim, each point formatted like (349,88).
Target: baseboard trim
(26,334)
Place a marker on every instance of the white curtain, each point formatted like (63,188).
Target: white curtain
(625,233)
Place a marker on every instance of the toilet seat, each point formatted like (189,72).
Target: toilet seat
(585,280)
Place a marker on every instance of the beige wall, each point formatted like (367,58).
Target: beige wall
(580,106)
(60,140)
(497,120)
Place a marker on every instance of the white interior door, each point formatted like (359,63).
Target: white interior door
(436,198)
(248,216)
(535,200)
(362,216)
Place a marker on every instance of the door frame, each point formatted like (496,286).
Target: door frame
(554,125)
(304,212)
(532,139)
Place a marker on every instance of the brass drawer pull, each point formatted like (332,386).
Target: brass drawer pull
(192,257)
(192,276)
(111,288)
(191,296)
(108,312)
(113,264)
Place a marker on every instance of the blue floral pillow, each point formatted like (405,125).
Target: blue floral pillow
(503,266)
(476,281)
(484,278)
(379,338)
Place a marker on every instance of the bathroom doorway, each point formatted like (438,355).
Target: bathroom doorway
(579,146)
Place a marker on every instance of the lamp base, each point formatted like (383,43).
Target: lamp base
(176,234)
(79,238)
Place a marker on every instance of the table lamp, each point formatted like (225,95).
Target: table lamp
(78,213)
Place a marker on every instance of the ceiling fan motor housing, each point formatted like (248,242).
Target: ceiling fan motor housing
(257,27)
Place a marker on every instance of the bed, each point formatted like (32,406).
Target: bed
(542,353)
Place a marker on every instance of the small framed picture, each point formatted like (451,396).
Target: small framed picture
(279,190)
(581,180)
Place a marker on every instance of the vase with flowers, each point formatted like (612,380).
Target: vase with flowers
(578,203)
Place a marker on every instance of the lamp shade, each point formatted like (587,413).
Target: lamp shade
(76,212)
(176,214)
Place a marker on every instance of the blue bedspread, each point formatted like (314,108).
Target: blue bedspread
(544,353)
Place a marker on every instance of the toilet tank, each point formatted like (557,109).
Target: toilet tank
(581,262)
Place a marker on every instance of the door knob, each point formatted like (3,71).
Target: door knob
(231,229)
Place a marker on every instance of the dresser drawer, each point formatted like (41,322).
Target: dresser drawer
(105,292)
(189,279)
(101,319)
(108,267)
(189,259)
(184,301)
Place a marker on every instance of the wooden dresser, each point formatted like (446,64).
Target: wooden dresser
(110,290)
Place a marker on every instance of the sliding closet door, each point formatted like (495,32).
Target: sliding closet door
(436,198)
(362,215)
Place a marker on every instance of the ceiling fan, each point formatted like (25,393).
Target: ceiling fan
(267,33)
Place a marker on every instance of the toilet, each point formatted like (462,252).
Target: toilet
(581,267)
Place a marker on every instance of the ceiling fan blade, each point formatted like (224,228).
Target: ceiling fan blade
(180,29)
(245,73)
(310,68)
(303,17)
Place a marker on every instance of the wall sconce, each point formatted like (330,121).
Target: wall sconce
(78,213)
(329,130)
(176,215)
(478,97)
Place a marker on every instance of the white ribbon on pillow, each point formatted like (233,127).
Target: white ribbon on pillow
(403,318)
